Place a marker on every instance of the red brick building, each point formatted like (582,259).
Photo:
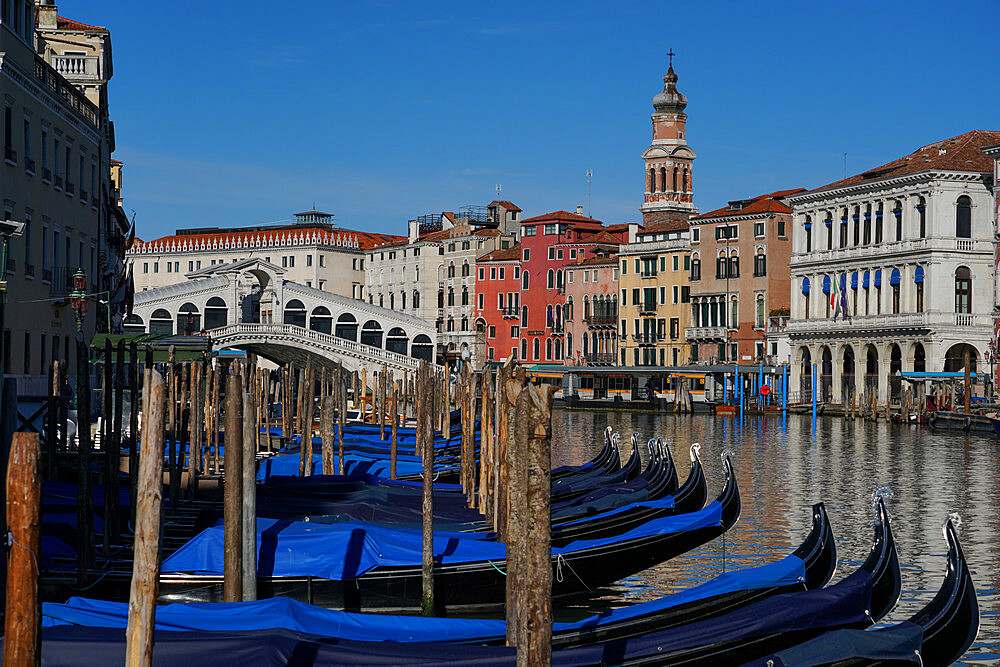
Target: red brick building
(498,301)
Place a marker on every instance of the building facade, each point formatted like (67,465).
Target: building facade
(54,179)
(311,248)
(993,350)
(739,276)
(592,310)
(892,271)
(668,161)
(498,302)
(654,292)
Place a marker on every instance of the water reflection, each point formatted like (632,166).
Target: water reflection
(783,471)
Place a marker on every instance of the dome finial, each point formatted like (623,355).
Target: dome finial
(670,100)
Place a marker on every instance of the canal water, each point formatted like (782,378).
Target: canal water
(783,467)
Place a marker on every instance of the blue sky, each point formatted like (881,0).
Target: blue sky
(232,113)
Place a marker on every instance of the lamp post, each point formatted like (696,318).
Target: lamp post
(991,356)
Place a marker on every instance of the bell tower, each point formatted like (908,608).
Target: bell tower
(669,160)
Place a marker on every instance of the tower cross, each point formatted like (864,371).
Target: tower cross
(671,54)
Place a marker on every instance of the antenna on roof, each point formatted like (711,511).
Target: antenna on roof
(498,191)
(590,177)
(845,165)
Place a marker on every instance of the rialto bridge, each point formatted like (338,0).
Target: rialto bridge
(248,305)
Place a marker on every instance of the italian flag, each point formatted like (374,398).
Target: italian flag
(833,294)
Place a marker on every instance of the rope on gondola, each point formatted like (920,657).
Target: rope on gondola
(496,568)
(560,561)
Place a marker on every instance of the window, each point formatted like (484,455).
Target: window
(145,267)
(894,286)
(695,268)
(527,254)
(676,293)
(922,216)
(758,229)
(781,229)
(918,279)
(465,269)
(572,253)
(524,280)
(559,254)
(695,235)
(528,230)
(897,213)
(493,273)
(676,262)
(551,228)
(501,273)
(550,279)
(760,264)
(760,312)
(963,218)
(29,164)
(685,294)
(479,300)
(45,154)
(963,290)
(552,252)
(8,134)
(309,260)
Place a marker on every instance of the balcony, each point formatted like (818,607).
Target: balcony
(602,321)
(647,308)
(62,280)
(647,338)
(882,251)
(510,313)
(705,333)
(10,155)
(648,274)
(78,67)
(600,359)
(653,247)
(558,329)
(29,165)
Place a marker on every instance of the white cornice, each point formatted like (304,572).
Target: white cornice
(919,177)
(735,218)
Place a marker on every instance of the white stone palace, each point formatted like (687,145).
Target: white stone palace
(892,271)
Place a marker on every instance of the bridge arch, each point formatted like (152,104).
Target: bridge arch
(188,319)
(161,323)
(133,324)
(216,313)
(422,348)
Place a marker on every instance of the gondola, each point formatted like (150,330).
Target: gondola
(606,457)
(937,635)
(473,585)
(763,627)
(810,566)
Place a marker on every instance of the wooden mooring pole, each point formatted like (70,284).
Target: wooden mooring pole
(233,491)
(84,500)
(144,589)
(393,447)
(248,459)
(516,506)
(22,619)
(425,433)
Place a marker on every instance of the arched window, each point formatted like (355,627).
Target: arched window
(894,286)
(524,348)
(524,279)
(857,225)
(918,280)
(524,316)
(188,320)
(559,279)
(440,298)
(684,181)
(548,349)
(465,324)
(392,301)
(465,297)
(760,311)
(133,324)
(963,218)
(451,270)
(347,327)
(808,226)
(695,268)
(868,225)
(963,290)
(550,279)
(843,227)
(673,183)
(371,333)
(416,299)
(651,183)
(734,306)
(451,296)
(568,309)
(663,179)
(215,313)
(721,266)
(160,323)
(548,316)
(465,269)
(422,348)
(878,223)
(760,264)
(922,216)
(805,296)
(586,345)
(537,348)
(897,214)
(586,307)
(321,320)
(734,265)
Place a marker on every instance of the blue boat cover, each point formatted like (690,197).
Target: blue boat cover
(353,463)
(829,608)
(898,643)
(301,617)
(342,551)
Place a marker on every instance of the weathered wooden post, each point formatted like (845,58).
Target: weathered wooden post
(144,589)
(22,620)
(134,385)
(485,444)
(383,389)
(84,500)
(341,418)
(52,421)
(308,408)
(967,393)
(248,460)
(107,394)
(194,423)
(500,460)
(232,516)
(425,433)
(326,416)
(468,403)
(171,419)
(535,410)
(516,501)
(393,447)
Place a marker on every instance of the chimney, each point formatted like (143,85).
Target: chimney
(579,209)
(47,15)
(414,231)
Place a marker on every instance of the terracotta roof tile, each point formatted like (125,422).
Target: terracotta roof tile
(562,216)
(365,240)
(961,153)
(486,232)
(622,227)
(759,204)
(510,206)
(599,237)
(512,253)
(63,23)
(609,260)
